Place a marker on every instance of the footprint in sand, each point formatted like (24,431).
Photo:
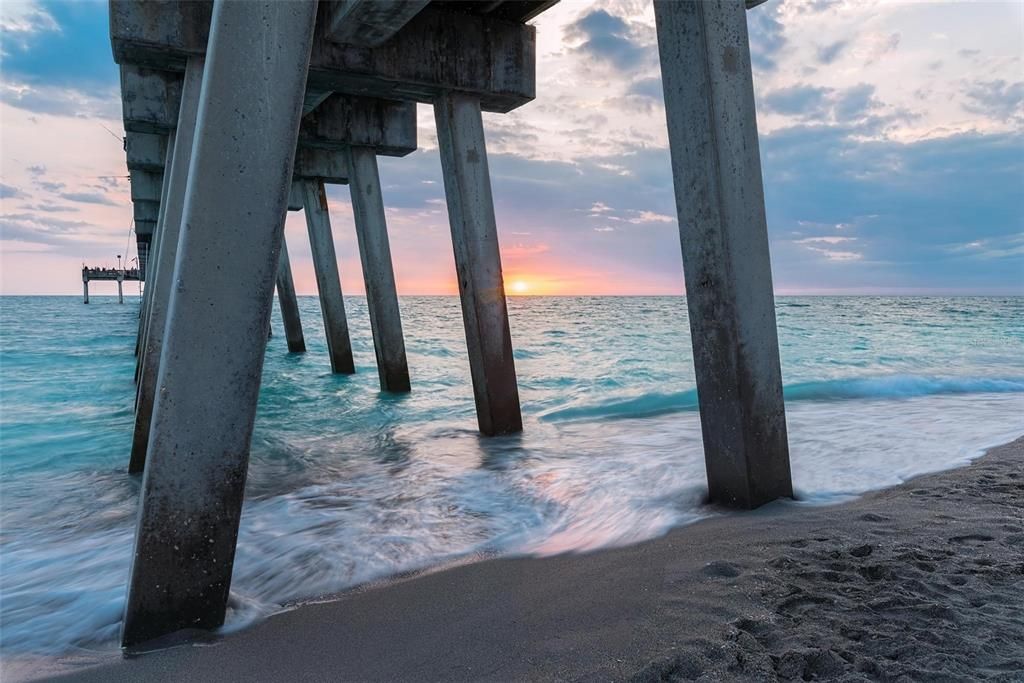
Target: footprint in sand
(971,539)
(872,517)
(720,569)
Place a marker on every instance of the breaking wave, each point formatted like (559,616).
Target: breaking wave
(882,387)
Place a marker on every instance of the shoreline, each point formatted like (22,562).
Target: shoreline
(769,594)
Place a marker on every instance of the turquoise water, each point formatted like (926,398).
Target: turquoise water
(347,485)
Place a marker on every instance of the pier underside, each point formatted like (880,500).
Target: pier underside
(236,112)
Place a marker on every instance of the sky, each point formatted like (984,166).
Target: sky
(891,134)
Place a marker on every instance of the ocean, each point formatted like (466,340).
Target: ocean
(347,485)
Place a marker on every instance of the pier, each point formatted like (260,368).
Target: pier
(236,112)
(118,275)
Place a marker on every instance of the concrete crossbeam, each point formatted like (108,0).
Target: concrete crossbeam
(149,99)
(388,126)
(146,215)
(145,151)
(716,168)
(144,230)
(366,22)
(146,185)
(324,165)
(438,51)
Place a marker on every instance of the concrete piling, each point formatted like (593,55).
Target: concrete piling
(709,105)
(85,288)
(378,272)
(154,238)
(162,275)
(328,280)
(467,186)
(289,303)
(229,249)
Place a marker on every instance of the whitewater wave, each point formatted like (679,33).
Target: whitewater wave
(882,387)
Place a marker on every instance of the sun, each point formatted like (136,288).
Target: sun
(520,287)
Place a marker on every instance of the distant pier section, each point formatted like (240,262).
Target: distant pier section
(119,275)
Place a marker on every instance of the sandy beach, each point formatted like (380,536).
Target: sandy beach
(917,582)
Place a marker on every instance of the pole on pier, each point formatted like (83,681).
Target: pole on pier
(289,303)
(328,281)
(163,274)
(213,350)
(467,185)
(378,272)
(712,130)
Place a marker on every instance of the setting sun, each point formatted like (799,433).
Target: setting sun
(519,287)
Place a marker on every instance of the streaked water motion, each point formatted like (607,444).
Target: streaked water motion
(347,485)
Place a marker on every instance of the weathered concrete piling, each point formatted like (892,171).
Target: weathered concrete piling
(158,291)
(277,100)
(228,256)
(712,130)
(328,280)
(289,303)
(378,274)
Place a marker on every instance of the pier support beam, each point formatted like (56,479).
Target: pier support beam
(150,276)
(120,291)
(467,185)
(289,303)
(85,287)
(212,359)
(378,272)
(712,131)
(328,281)
(162,275)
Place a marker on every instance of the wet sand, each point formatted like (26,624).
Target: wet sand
(924,581)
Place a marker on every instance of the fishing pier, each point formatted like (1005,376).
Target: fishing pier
(119,275)
(236,112)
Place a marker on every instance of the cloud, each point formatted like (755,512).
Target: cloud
(102,103)
(829,53)
(608,38)
(20,20)
(647,87)
(53,232)
(56,59)
(993,248)
(88,198)
(855,103)
(997,99)
(49,186)
(828,239)
(798,100)
(767,37)
(10,192)
(652,217)
(833,255)
(65,44)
